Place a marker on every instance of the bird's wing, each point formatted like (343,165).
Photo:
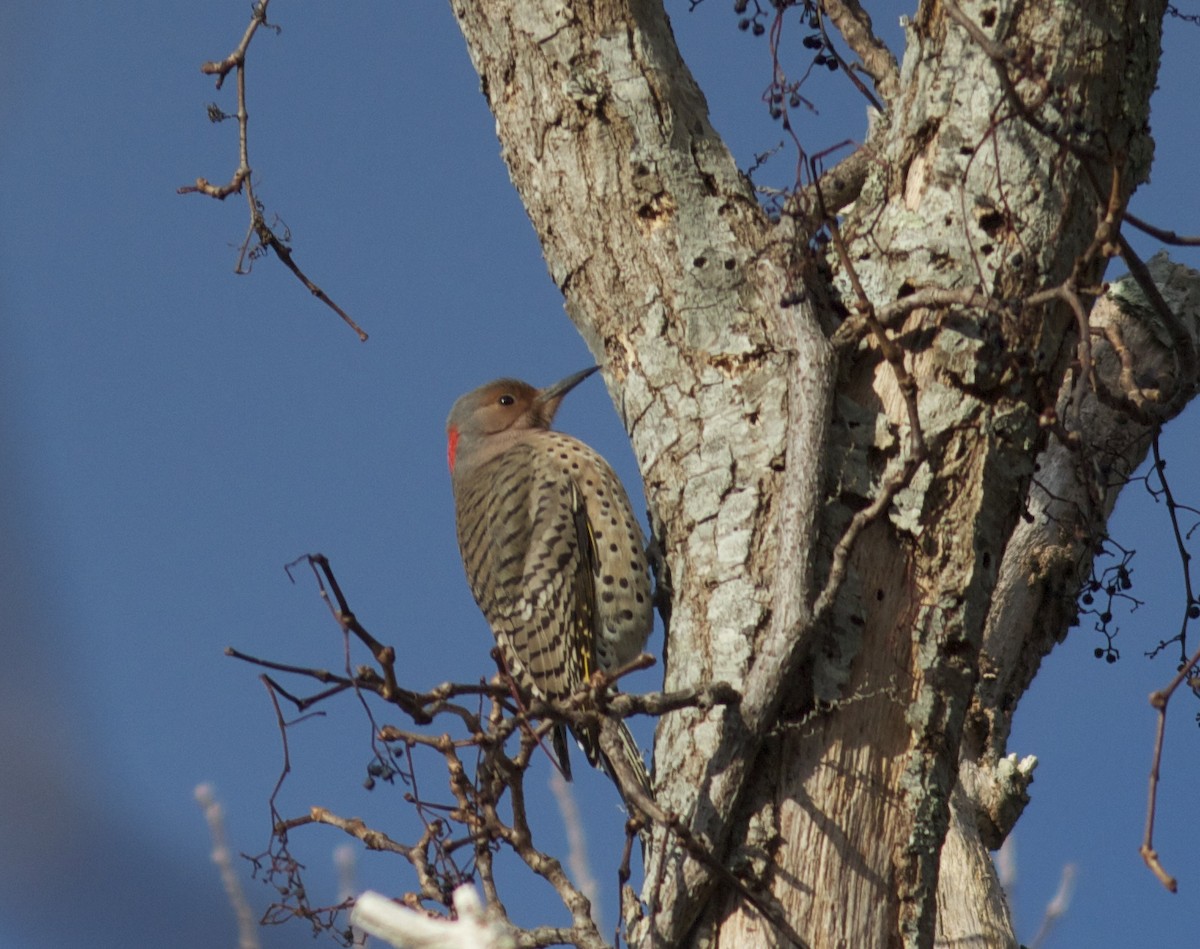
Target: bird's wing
(553,615)
(529,560)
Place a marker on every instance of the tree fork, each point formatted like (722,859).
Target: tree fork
(675,276)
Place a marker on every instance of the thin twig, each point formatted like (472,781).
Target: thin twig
(1159,701)
(854,23)
(221,856)
(1001,59)
(242,180)
(1161,234)
(643,804)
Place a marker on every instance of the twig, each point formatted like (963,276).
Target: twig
(1160,698)
(1158,233)
(1056,909)
(854,23)
(287,758)
(577,851)
(892,351)
(642,803)
(1159,701)
(1137,397)
(354,826)
(901,475)
(242,180)
(214,815)
(891,314)
(475,796)
(1001,59)
(625,704)
(831,51)
(585,934)
(321,675)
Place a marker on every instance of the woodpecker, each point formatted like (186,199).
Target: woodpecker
(553,553)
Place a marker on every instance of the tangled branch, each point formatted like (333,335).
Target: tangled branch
(481,808)
(259,233)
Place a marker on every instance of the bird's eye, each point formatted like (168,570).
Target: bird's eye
(507,400)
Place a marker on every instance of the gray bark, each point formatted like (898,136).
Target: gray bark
(764,414)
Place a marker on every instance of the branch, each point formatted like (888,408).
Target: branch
(1160,698)
(474,796)
(1182,342)
(1161,234)
(704,852)
(1049,552)
(242,180)
(1001,59)
(854,23)
(407,929)
(214,815)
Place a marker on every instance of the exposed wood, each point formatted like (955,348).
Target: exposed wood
(836,783)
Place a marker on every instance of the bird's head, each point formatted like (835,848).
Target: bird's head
(500,407)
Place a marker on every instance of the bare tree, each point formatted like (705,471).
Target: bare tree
(880,430)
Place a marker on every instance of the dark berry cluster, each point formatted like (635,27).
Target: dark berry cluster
(1111,586)
(776,95)
(753,22)
(820,42)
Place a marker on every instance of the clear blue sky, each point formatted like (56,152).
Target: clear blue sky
(174,434)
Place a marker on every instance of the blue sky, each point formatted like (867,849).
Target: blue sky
(175,433)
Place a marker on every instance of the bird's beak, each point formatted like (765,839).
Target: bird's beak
(550,396)
(546,403)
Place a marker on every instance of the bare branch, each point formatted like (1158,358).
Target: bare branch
(242,176)
(1158,233)
(214,815)
(854,23)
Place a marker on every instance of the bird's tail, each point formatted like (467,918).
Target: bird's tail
(628,769)
(558,738)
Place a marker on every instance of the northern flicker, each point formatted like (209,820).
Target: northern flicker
(553,552)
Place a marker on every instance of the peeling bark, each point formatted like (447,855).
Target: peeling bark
(862,779)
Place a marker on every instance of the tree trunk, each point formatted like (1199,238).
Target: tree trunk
(839,565)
